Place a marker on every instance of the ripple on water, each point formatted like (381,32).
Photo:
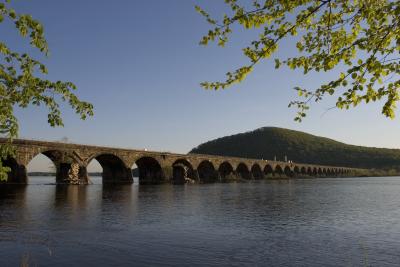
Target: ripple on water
(316,222)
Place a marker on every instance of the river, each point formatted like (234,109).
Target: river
(307,222)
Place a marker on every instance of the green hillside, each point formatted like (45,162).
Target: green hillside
(271,142)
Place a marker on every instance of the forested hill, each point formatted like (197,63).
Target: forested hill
(268,142)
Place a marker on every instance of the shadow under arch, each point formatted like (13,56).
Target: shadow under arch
(17,173)
(257,172)
(268,170)
(226,171)
(207,173)
(114,169)
(288,172)
(243,171)
(182,172)
(150,171)
(278,171)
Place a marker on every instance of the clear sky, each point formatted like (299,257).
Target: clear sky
(140,64)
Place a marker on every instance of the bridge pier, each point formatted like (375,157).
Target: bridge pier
(70,173)
(66,173)
(182,174)
(18,173)
(76,174)
(196,177)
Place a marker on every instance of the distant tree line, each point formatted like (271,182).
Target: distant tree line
(269,143)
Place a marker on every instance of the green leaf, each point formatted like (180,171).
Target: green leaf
(23,83)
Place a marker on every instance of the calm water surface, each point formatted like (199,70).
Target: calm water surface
(319,222)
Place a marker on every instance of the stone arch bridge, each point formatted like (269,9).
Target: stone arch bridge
(71,161)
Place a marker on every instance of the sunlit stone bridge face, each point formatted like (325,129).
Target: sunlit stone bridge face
(71,161)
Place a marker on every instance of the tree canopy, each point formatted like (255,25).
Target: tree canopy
(360,39)
(22,83)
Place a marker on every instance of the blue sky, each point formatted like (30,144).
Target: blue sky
(140,64)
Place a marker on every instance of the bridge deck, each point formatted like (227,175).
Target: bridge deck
(71,161)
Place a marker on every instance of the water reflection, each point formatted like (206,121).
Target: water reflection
(75,197)
(121,194)
(319,222)
(12,199)
(12,192)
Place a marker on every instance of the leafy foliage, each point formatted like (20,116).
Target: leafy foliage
(21,82)
(270,142)
(360,37)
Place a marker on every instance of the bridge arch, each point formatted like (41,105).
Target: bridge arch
(303,170)
(62,161)
(53,169)
(257,172)
(225,170)
(207,173)
(114,168)
(278,170)
(288,172)
(309,171)
(150,171)
(55,155)
(296,170)
(73,155)
(268,170)
(243,171)
(182,172)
